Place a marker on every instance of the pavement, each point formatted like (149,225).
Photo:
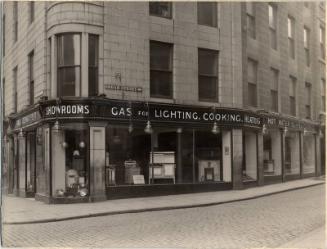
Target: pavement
(17,210)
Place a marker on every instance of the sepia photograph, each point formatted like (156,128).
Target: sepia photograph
(163,124)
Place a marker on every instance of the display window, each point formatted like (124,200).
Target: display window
(308,154)
(30,163)
(249,172)
(127,156)
(272,153)
(292,154)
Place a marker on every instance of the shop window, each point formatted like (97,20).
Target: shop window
(161,9)
(127,155)
(15,97)
(161,70)
(291,34)
(249,169)
(308,154)
(252,82)
(250,19)
(93,65)
(306,37)
(15,21)
(31,77)
(292,154)
(292,96)
(31,11)
(272,153)
(69,65)
(272,12)
(208,75)
(207,13)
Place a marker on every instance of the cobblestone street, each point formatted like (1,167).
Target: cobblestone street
(268,221)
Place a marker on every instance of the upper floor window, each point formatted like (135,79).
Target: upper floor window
(15,97)
(31,77)
(322,42)
(208,75)
(207,13)
(272,12)
(292,95)
(15,20)
(69,65)
(291,34)
(161,9)
(274,90)
(3,35)
(161,70)
(323,94)
(307,100)
(306,4)
(252,82)
(250,19)
(306,41)
(93,64)
(31,11)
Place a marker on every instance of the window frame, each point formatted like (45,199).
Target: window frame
(3,35)
(15,88)
(31,11)
(170,7)
(252,83)
(62,67)
(322,33)
(293,98)
(273,26)
(162,70)
(15,21)
(274,87)
(250,19)
(214,22)
(31,77)
(291,37)
(306,44)
(93,67)
(308,90)
(209,76)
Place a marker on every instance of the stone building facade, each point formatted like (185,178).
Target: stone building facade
(117,99)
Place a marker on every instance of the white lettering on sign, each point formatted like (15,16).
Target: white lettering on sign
(121,111)
(67,109)
(123,88)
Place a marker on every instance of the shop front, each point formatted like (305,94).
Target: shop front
(73,150)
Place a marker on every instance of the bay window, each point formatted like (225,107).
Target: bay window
(69,65)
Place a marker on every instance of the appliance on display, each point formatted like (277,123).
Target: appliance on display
(131,169)
(163,165)
(82,144)
(209,170)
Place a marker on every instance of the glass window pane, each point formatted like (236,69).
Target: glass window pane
(250,26)
(292,106)
(252,71)
(68,78)
(274,77)
(208,88)
(69,50)
(273,38)
(160,56)
(160,84)
(252,95)
(274,100)
(208,62)
(162,9)
(93,81)
(207,13)
(272,16)
(93,50)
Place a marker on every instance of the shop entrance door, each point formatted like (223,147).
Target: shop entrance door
(30,169)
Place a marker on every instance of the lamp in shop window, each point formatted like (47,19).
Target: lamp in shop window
(82,144)
(305,132)
(285,130)
(56,127)
(130,128)
(148,127)
(21,133)
(264,129)
(215,129)
(64,145)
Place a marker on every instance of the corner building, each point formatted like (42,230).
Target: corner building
(107,100)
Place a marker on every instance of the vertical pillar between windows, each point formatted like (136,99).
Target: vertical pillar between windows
(97,161)
(58,162)
(260,158)
(237,158)
(83,89)
(53,68)
(179,158)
